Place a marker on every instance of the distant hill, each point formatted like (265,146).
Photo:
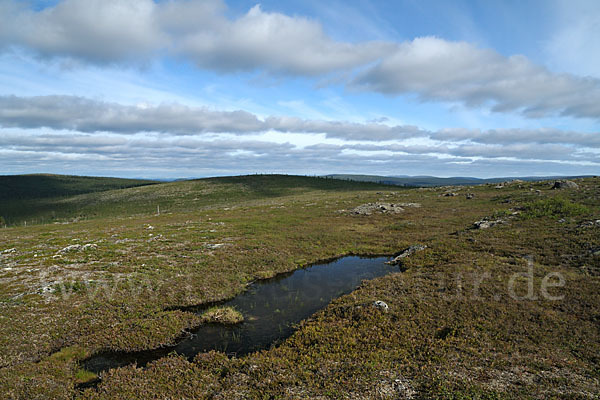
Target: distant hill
(51,198)
(38,186)
(428,181)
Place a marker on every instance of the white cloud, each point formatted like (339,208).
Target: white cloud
(432,69)
(86,115)
(176,156)
(89,116)
(278,43)
(436,69)
(98,31)
(51,132)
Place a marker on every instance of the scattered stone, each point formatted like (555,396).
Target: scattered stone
(370,208)
(153,238)
(10,251)
(47,289)
(381,305)
(562,221)
(414,205)
(469,196)
(149,227)
(449,194)
(589,224)
(408,252)
(392,386)
(213,246)
(538,191)
(565,184)
(70,248)
(500,186)
(485,224)
(78,247)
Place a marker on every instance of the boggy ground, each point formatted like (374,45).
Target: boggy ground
(505,312)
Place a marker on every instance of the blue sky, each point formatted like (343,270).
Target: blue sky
(190,88)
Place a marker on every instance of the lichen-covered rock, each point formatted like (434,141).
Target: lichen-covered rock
(408,252)
(70,248)
(370,208)
(77,247)
(484,223)
(565,184)
(381,305)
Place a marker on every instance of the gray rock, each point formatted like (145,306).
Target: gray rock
(213,246)
(78,247)
(450,194)
(469,196)
(408,252)
(381,305)
(589,224)
(9,251)
(70,248)
(485,224)
(370,208)
(414,205)
(565,184)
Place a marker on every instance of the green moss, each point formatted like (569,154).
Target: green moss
(222,315)
(71,353)
(554,207)
(83,376)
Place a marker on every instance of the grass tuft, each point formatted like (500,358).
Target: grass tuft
(555,207)
(222,315)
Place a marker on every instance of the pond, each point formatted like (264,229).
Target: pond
(271,308)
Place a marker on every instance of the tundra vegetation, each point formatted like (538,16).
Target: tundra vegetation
(491,311)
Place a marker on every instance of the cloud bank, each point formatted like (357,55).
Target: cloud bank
(59,133)
(80,114)
(432,69)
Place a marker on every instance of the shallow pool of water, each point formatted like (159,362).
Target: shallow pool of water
(271,310)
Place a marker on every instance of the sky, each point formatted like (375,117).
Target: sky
(194,88)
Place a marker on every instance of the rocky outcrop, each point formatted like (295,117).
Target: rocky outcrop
(370,208)
(485,223)
(408,252)
(565,184)
(78,247)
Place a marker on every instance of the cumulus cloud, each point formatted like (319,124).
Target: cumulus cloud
(436,69)
(105,31)
(97,31)
(278,43)
(433,69)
